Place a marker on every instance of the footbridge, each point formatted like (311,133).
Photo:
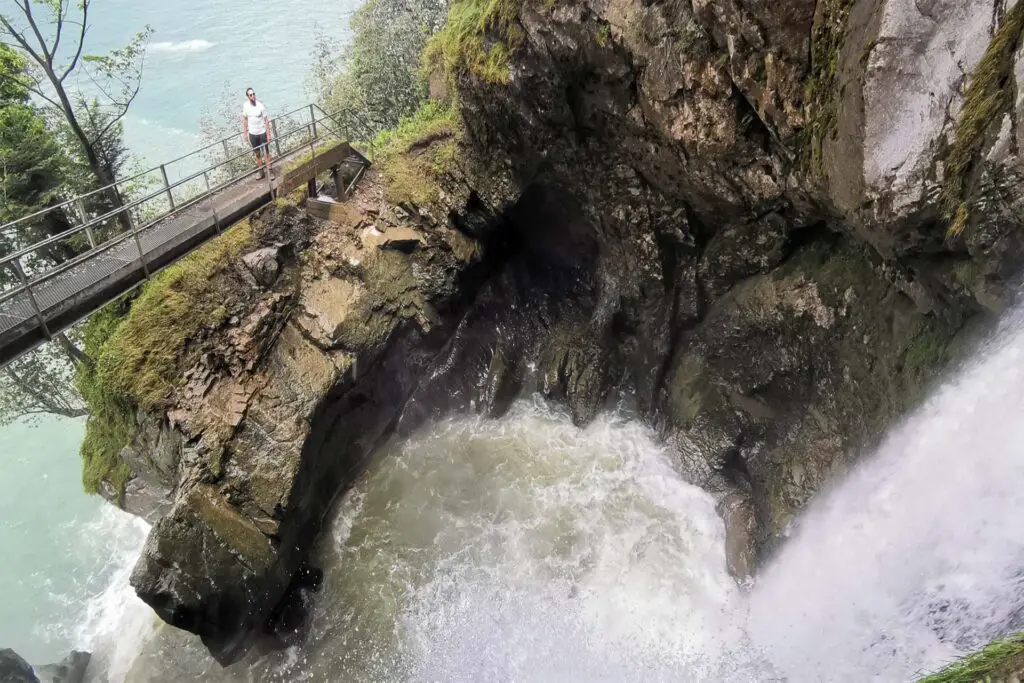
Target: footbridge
(100,245)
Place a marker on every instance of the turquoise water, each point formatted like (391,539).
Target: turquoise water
(203,50)
(66,554)
(54,539)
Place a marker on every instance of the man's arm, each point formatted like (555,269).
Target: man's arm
(266,123)
(245,127)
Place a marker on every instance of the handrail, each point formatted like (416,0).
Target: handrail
(27,283)
(124,181)
(10,258)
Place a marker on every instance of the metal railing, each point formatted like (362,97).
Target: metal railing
(41,261)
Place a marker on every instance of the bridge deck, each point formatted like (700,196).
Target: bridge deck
(67,297)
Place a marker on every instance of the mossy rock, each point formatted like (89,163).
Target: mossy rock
(138,345)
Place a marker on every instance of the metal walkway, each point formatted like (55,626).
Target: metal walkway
(48,294)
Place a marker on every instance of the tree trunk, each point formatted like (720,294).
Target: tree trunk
(72,351)
(103,176)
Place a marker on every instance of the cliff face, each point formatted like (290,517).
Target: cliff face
(768,226)
(792,209)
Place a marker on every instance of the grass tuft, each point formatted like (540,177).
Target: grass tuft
(998,662)
(822,89)
(478,38)
(416,153)
(137,350)
(989,95)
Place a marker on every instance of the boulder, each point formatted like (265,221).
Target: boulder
(264,264)
(14,669)
(401,239)
(71,670)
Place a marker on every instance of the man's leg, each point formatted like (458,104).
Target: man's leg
(258,151)
(266,151)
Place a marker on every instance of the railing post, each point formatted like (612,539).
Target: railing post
(227,152)
(206,177)
(270,178)
(80,210)
(277,140)
(167,185)
(311,183)
(142,258)
(312,118)
(16,265)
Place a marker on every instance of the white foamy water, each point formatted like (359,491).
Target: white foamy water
(919,555)
(197,45)
(524,549)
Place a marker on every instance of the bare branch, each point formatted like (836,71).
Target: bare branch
(60,25)
(81,42)
(21,40)
(39,36)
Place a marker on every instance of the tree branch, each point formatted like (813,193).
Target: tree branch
(22,41)
(72,351)
(40,399)
(81,42)
(60,25)
(39,36)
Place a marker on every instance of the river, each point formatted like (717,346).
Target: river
(525,549)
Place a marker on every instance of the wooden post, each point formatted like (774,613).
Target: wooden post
(336,179)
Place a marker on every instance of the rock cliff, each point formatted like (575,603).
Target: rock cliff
(766,226)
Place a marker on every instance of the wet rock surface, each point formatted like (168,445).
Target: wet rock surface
(14,669)
(659,211)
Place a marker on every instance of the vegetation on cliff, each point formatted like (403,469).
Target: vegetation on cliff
(137,349)
(1002,660)
(988,97)
(416,153)
(822,90)
(478,38)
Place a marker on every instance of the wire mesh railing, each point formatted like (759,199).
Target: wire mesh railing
(105,220)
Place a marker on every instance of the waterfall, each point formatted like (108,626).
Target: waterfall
(525,549)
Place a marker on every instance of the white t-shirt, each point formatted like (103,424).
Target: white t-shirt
(255,114)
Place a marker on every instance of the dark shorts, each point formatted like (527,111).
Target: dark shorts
(258,142)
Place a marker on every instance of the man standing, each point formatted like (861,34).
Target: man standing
(256,127)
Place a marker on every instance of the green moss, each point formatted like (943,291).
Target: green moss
(926,352)
(141,359)
(110,424)
(417,153)
(822,89)
(478,38)
(390,296)
(989,95)
(998,662)
(138,350)
(690,390)
(604,35)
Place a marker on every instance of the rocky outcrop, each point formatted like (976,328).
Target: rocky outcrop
(282,404)
(14,669)
(734,216)
(770,266)
(71,669)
